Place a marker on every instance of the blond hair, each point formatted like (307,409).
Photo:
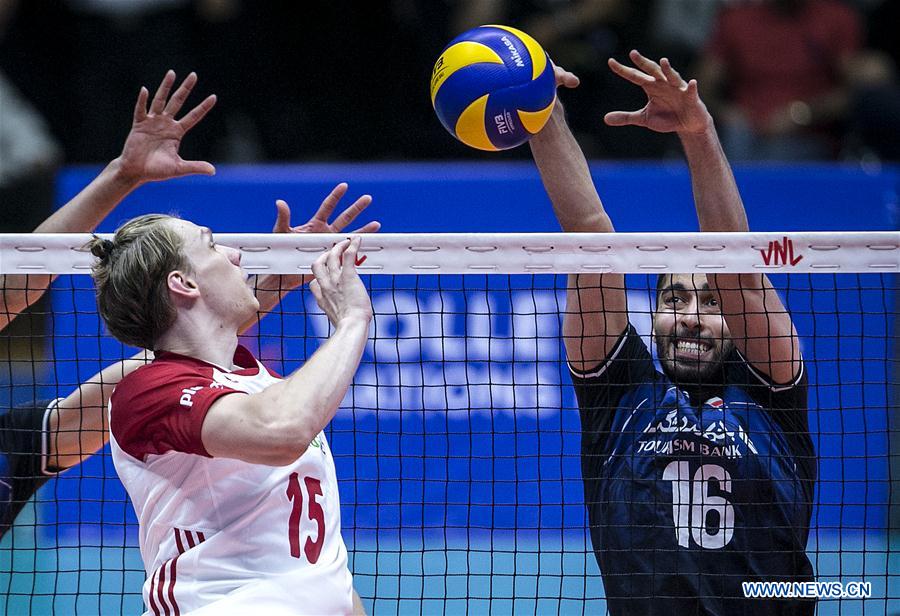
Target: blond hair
(131,277)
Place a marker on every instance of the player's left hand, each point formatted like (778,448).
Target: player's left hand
(319,223)
(673,105)
(564,78)
(150,153)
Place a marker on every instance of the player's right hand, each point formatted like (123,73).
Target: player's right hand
(673,104)
(337,288)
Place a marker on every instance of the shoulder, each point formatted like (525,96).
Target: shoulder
(161,407)
(628,358)
(158,377)
(741,372)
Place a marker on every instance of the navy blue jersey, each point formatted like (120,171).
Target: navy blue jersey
(691,492)
(23,457)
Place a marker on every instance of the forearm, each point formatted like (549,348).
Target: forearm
(20,291)
(716,197)
(78,424)
(567,178)
(85,211)
(300,407)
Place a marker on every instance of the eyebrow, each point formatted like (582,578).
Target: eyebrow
(677,286)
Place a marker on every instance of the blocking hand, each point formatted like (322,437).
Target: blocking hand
(673,105)
(150,152)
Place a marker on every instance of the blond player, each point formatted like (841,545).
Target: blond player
(231,477)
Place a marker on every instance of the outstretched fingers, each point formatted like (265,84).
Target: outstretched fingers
(162,93)
(198,113)
(196,167)
(330,202)
(646,64)
(624,118)
(672,76)
(565,78)
(693,89)
(180,95)
(140,107)
(369,227)
(350,214)
(282,217)
(633,75)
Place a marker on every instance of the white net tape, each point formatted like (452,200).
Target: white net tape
(514,253)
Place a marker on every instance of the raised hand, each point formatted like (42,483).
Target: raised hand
(271,288)
(673,105)
(337,287)
(150,152)
(319,222)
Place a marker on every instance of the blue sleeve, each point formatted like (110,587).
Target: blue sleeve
(22,457)
(599,391)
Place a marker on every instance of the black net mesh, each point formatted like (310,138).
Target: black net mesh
(462,470)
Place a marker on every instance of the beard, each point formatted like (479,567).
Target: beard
(690,372)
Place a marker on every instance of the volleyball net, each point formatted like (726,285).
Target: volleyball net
(459,446)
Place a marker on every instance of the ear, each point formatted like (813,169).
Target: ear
(181,285)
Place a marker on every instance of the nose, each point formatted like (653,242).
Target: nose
(690,318)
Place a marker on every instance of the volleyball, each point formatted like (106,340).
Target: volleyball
(493,87)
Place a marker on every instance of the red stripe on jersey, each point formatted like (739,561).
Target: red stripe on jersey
(172,588)
(202,536)
(153,605)
(178,541)
(159,590)
(190,538)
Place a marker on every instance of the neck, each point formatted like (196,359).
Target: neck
(201,337)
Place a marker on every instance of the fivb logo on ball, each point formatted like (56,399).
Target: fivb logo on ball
(493,87)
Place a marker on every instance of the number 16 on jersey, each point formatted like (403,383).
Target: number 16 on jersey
(699,515)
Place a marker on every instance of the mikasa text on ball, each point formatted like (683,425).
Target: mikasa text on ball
(493,87)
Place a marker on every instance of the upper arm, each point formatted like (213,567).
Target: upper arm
(238,427)
(595,317)
(760,325)
(19,292)
(161,408)
(78,422)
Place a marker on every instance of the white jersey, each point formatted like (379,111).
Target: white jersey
(218,535)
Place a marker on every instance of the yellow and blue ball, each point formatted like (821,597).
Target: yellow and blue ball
(493,87)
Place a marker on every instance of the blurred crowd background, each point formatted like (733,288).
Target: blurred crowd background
(787,80)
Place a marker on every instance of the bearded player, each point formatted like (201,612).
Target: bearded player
(699,477)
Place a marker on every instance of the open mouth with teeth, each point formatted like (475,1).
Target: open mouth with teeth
(693,349)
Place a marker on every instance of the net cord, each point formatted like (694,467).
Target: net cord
(513,253)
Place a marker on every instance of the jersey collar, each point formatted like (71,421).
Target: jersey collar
(243,358)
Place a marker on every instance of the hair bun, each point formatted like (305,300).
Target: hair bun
(102,248)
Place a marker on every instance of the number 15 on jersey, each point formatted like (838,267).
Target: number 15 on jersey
(314,512)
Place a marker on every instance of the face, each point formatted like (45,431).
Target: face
(216,271)
(691,335)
